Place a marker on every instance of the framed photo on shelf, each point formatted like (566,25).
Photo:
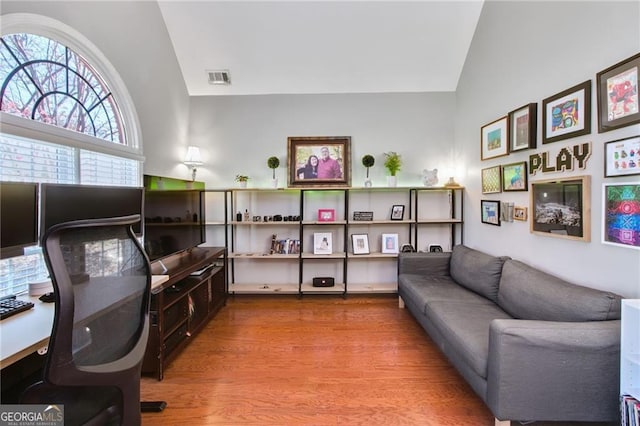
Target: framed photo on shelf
(360,243)
(514,176)
(520,213)
(561,208)
(491,180)
(523,127)
(397,212)
(490,212)
(326,215)
(390,243)
(622,157)
(322,243)
(617,88)
(567,114)
(494,139)
(319,161)
(621,215)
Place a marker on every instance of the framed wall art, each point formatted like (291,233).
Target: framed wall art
(360,243)
(390,243)
(562,208)
(622,157)
(520,213)
(397,212)
(494,139)
(617,88)
(567,114)
(523,127)
(319,161)
(621,215)
(514,176)
(490,211)
(322,243)
(491,180)
(326,215)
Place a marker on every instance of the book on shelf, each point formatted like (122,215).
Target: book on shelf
(284,246)
(629,411)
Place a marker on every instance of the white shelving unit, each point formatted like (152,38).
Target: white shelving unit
(630,348)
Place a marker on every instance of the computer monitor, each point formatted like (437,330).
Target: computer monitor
(18,217)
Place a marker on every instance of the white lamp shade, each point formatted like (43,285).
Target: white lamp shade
(193,157)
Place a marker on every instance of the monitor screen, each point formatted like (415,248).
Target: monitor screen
(18,217)
(64,203)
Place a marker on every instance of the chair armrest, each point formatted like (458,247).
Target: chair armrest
(546,370)
(428,264)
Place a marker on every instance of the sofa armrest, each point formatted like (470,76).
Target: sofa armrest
(559,371)
(426,264)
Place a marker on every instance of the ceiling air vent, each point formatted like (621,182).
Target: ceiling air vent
(219,77)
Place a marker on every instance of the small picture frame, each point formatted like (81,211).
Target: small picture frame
(621,215)
(622,157)
(617,87)
(322,243)
(390,243)
(567,114)
(514,177)
(326,215)
(522,127)
(360,243)
(490,211)
(491,180)
(494,139)
(397,212)
(520,213)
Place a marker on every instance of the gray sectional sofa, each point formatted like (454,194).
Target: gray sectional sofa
(533,346)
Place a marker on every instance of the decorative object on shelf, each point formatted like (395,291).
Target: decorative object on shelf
(567,114)
(407,248)
(360,243)
(435,248)
(193,159)
(368,161)
(490,210)
(397,212)
(362,216)
(322,243)
(390,243)
(393,163)
(621,215)
(326,215)
(561,208)
(514,176)
(617,87)
(323,281)
(523,127)
(520,213)
(429,177)
(273,163)
(319,161)
(494,141)
(491,180)
(451,183)
(622,157)
(506,211)
(242,180)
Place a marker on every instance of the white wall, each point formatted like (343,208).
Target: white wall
(525,52)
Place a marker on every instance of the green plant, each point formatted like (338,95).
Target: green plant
(242,178)
(393,162)
(368,161)
(273,163)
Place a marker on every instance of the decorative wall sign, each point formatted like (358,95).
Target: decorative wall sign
(566,159)
(618,103)
(362,216)
(621,216)
(494,139)
(523,127)
(567,114)
(491,179)
(622,157)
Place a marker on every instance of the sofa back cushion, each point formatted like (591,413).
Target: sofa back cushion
(477,271)
(528,293)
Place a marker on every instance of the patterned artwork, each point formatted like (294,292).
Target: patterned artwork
(622,215)
(491,180)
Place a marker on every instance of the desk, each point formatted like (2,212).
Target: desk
(29,331)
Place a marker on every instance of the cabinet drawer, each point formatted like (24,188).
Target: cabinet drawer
(175,314)
(175,338)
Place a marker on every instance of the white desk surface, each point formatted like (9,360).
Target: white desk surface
(29,331)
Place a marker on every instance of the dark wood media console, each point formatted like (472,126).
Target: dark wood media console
(184,304)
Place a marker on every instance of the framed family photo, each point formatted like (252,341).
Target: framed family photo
(523,127)
(397,212)
(319,161)
(490,212)
(617,87)
(621,215)
(520,213)
(567,114)
(326,215)
(514,177)
(491,180)
(622,157)
(494,139)
(390,243)
(360,243)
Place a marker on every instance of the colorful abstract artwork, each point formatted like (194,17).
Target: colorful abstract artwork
(618,103)
(622,157)
(622,214)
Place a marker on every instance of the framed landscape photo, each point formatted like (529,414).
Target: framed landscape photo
(319,161)
(360,243)
(322,243)
(617,88)
(621,215)
(523,127)
(561,208)
(567,114)
(494,139)
(622,157)
(490,212)
(491,180)
(397,212)
(514,177)
(390,243)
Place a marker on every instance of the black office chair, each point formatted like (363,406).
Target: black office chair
(102,280)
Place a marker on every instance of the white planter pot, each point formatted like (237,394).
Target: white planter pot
(367,183)
(274,183)
(392,181)
(242,184)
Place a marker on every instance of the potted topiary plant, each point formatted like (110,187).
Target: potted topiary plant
(368,161)
(393,163)
(242,180)
(273,163)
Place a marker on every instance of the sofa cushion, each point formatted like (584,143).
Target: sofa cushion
(477,271)
(528,293)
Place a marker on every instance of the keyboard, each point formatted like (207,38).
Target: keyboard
(9,307)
